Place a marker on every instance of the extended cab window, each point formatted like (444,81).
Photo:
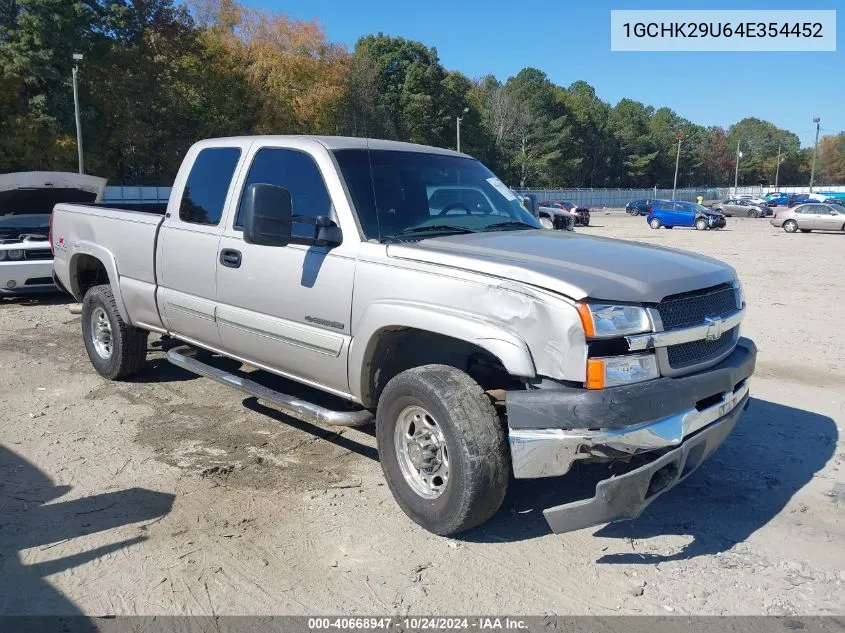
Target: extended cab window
(207,185)
(298,173)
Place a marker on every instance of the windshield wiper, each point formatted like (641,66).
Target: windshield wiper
(513,224)
(443,229)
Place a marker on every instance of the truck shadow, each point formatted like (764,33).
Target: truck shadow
(774,451)
(30,518)
(45,298)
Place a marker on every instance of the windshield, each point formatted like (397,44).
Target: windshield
(398,193)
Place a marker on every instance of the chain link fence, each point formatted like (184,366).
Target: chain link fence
(614,198)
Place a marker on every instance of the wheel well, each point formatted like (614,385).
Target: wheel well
(399,349)
(88,272)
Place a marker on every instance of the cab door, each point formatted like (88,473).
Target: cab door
(682,216)
(188,240)
(288,309)
(828,218)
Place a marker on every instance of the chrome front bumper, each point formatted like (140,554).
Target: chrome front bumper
(552,452)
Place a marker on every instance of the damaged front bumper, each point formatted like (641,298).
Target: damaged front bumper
(686,419)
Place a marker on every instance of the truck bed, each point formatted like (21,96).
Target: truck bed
(126,239)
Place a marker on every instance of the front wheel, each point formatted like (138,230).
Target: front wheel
(654,223)
(753,214)
(790,226)
(116,349)
(442,448)
(701,224)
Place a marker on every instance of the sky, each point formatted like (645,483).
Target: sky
(570,40)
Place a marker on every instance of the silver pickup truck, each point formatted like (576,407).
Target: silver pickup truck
(411,284)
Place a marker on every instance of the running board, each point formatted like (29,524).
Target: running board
(179,356)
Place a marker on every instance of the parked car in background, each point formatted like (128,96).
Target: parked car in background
(752,199)
(744,207)
(638,207)
(26,201)
(777,200)
(555,218)
(669,214)
(580,213)
(813,216)
(798,198)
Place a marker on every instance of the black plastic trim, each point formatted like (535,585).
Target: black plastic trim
(619,407)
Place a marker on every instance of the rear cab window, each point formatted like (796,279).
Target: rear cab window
(208,183)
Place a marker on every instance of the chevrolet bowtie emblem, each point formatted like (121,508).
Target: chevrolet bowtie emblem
(714,328)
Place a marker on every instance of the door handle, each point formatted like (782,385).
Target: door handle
(230,257)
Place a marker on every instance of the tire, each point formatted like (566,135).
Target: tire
(790,226)
(753,214)
(547,223)
(585,222)
(654,223)
(701,224)
(806,230)
(118,350)
(478,467)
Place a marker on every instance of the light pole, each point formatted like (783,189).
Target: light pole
(815,146)
(736,172)
(680,136)
(459,119)
(77,57)
(777,169)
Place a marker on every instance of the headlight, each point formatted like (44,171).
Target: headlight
(602,320)
(14,253)
(611,371)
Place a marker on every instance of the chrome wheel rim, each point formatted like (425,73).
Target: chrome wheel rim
(421,452)
(790,226)
(101,335)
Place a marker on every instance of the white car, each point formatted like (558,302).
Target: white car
(26,201)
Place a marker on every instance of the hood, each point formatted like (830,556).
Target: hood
(573,264)
(37,192)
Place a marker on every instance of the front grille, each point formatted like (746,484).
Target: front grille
(561,222)
(38,281)
(695,352)
(691,308)
(38,253)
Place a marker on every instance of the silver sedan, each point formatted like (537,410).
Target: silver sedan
(742,207)
(811,217)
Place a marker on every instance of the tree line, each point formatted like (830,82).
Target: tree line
(158,75)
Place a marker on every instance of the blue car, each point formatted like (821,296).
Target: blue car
(669,214)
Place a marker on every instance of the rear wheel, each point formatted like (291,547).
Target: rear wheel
(790,226)
(116,349)
(654,223)
(701,224)
(442,448)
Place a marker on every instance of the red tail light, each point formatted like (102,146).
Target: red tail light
(775,215)
(650,210)
(50,235)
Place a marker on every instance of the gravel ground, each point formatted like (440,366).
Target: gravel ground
(172,494)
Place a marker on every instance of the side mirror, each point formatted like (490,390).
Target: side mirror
(267,215)
(268,220)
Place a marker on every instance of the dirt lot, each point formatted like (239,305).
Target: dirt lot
(173,494)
